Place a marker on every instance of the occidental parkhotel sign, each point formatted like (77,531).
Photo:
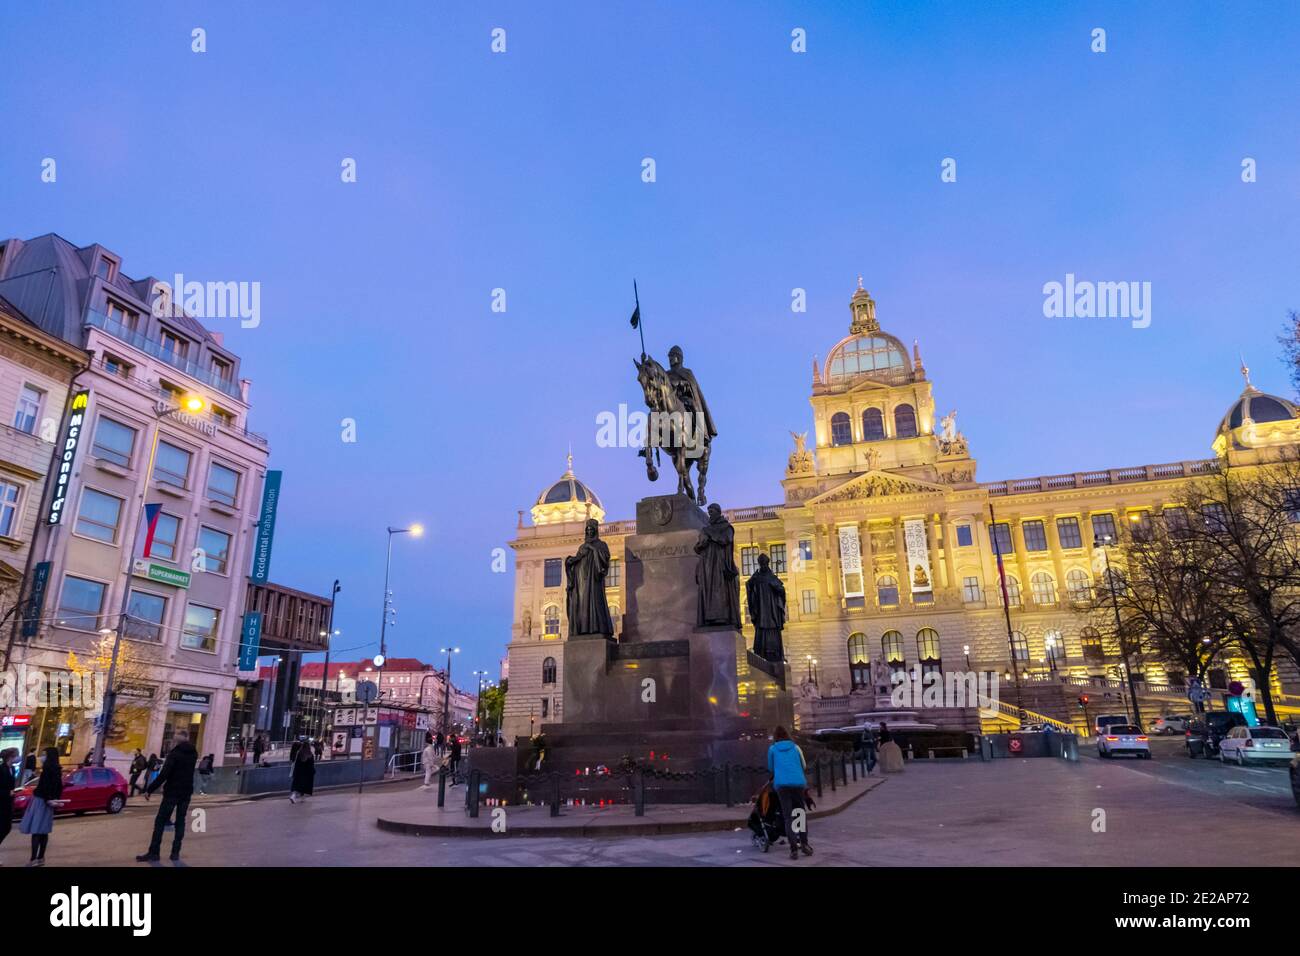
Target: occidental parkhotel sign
(71,438)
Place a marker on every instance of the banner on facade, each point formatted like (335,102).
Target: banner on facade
(918,556)
(266,528)
(851,561)
(250,640)
(40,582)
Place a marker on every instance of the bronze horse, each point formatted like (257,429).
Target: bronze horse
(673,426)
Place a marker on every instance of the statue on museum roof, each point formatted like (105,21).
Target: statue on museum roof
(585,587)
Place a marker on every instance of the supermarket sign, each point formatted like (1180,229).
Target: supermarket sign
(160,573)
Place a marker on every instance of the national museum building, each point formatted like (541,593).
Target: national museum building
(883,543)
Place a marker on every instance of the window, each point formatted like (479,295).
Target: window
(9,496)
(28,410)
(216,549)
(546,706)
(1000,536)
(1019,646)
(964,538)
(891,645)
(777,553)
(226,418)
(1078,586)
(1176,522)
(1093,653)
(104,268)
(80,604)
(1216,517)
(1053,646)
(614,576)
(98,515)
(144,616)
(841,430)
(1067,530)
(970,590)
(1013,590)
(551,621)
(805,549)
(171,342)
(221,369)
(1043,588)
(1035,535)
(551,573)
(171,465)
(1113,581)
(1140,524)
(887,591)
(127,319)
(201,624)
(165,534)
(873,425)
(1103,528)
(748,560)
(548,671)
(223,485)
(904,422)
(115,366)
(113,442)
(809,599)
(859,661)
(927,645)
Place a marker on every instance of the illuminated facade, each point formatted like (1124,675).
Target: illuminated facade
(883,540)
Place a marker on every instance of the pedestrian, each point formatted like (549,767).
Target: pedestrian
(138,765)
(319,747)
(243,750)
(455,752)
(786,764)
(259,745)
(293,751)
(304,775)
(38,820)
(205,773)
(29,767)
(177,781)
(151,769)
(437,743)
(869,749)
(891,755)
(90,757)
(429,758)
(8,764)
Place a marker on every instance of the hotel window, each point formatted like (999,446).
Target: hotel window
(223,485)
(216,549)
(201,625)
(859,662)
(873,425)
(171,465)
(551,573)
(1103,527)
(887,591)
(9,496)
(28,410)
(1000,535)
(748,560)
(1043,588)
(221,369)
(113,442)
(614,576)
(123,317)
(548,671)
(777,553)
(970,590)
(927,649)
(1216,517)
(891,645)
(841,429)
(104,268)
(144,616)
(115,366)
(171,342)
(1035,535)
(809,599)
(98,515)
(1019,646)
(80,604)
(904,422)
(226,418)
(551,621)
(166,532)
(964,537)
(1093,652)
(1078,586)
(1067,529)
(1013,591)
(805,548)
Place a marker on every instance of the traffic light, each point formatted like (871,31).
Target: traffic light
(1083,700)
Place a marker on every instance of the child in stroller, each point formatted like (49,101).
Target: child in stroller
(765,820)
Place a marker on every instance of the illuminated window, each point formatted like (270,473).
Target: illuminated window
(809,599)
(614,576)
(859,661)
(1078,586)
(904,422)
(1043,588)
(1103,528)
(777,553)
(873,425)
(970,589)
(887,591)
(551,621)
(1067,529)
(927,649)
(841,430)
(748,561)
(1019,646)
(1093,653)
(1035,535)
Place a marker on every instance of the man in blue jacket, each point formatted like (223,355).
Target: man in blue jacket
(786,764)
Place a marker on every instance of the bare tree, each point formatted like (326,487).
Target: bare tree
(1290,342)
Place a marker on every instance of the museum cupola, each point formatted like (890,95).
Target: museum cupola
(567,499)
(1256,420)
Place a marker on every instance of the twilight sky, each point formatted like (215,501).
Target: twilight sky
(775,171)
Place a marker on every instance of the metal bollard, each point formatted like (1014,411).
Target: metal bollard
(844,770)
(473,793)
(555,794)
(442,786)
(831,764)
(855,769)
(817,776)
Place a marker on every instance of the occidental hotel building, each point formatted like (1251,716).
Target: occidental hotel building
(883,542)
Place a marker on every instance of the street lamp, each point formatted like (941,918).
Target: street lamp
(1106,542)
(190,404)
(478,702)
(415,531)
(446,688)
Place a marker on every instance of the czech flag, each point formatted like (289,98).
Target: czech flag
(151,513)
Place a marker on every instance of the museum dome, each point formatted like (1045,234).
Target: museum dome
(1257,420)
(866,353)
(1259,408)
(567,499)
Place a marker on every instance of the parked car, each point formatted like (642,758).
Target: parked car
(1102,721)
(1121,739)
(1167,725)
(1205,733)
(85,789)
(1255,745)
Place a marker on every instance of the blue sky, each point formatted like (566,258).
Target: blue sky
(775,170)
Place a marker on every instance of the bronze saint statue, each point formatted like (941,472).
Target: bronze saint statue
(585,573)
(765,598)
(716,574)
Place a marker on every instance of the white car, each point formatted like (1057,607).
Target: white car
(1170,724)
(1123,739)
(1245,745)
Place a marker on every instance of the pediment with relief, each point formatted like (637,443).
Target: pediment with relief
(878,484)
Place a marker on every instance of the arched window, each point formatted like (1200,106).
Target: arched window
(1013,591)
(548,671)
(1093,652)
(904,422)
(1043,588)
(887,591)
(891,645)
(551,621)
(1053,645)
(873,425)
(1078,586)
(841,429)
(1019,646)
(1113,582)
(859,661)
(927,649)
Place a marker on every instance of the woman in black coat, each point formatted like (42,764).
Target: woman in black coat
(38,818)
(8,761)
(304,775)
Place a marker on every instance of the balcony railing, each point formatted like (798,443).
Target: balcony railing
(156,348)
(1089,479)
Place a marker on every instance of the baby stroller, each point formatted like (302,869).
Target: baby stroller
(765,821)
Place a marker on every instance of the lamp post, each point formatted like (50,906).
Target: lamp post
(190,405)
(478,702)
(1106,542)
(329,633)
(446,687)
(415,531)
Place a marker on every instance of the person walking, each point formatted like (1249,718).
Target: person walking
(205,773)
(38,820)
(243,750)
(429,758)
(177,781)
(29,767)
(304,774)
(455,753)
(8,764)
(891,755)
(786,764)
(138,764)
(151,769)
(259,745)
(319,748)
(293,751)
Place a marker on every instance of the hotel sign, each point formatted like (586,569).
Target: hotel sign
(266,527)
(250,640)
(157,572)
(918,556)
(67,454)
(851,561)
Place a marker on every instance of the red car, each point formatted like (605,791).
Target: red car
(84,789)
